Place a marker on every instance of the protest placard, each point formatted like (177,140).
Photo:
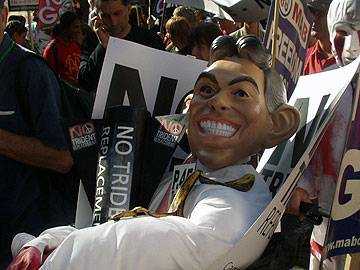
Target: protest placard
(343,235)
(292,39)
(23,5)
(50,11)
(141,76)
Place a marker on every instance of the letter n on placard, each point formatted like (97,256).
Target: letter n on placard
(125,79)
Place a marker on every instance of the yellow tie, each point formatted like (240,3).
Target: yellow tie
(176,208)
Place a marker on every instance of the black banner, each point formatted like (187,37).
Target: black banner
(134,151)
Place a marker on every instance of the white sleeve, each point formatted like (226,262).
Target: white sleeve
(50,238)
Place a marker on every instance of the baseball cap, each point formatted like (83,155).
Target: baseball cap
(320,5)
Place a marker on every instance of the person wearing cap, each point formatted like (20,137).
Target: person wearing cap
(319,55)
(17,31)
(25,149)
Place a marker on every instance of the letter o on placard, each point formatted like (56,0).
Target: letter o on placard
(49,18)
(285,7)
(120,148)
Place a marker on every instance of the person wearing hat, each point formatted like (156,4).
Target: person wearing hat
(17,31)
(25,149)
(319,55)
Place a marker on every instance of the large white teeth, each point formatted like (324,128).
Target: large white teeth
(217,128)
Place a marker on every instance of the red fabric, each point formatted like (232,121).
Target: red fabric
(316,248)
(28,259)
(317,59)
(68,58)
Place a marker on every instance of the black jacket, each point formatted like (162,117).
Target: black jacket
(92,59)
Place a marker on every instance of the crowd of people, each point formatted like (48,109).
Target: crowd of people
(31,134)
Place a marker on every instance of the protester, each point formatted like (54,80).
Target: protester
(20,18)
(249,28)
(201,38)
(63,52)
(187,13)
(178,30)
(26,150)
(41,37)
(111,18)
(319,56)
(233,114)
(17,32)
(343,19)
(222,46)
(227,27)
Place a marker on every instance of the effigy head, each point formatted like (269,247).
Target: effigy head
(239,106)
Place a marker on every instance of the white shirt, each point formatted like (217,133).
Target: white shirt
(215,219)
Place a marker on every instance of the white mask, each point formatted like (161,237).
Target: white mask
(346,43)
(344,27)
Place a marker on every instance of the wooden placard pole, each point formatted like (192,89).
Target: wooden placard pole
(162,18)
(149,15)
(32,45)
(137,15)
(274,33)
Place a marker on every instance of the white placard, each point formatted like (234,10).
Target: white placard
(153,68)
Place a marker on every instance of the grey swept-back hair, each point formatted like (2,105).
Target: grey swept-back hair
(250,47)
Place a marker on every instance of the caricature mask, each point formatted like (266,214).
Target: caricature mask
(229,117)
(344,28)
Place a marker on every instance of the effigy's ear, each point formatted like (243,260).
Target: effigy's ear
(285,122)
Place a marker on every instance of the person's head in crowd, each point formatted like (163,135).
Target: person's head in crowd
(187,13)
(85,32)
(239,107)
(17,18)
(17,31)
(226,26)
(319,29)
(56,31)
(114,15)
(344,27)
(221,47)
(69,26)
(137,16)
(201,38)
(134,16)
(200,15)
(178,30)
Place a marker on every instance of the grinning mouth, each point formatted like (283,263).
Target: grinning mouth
(216,128)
